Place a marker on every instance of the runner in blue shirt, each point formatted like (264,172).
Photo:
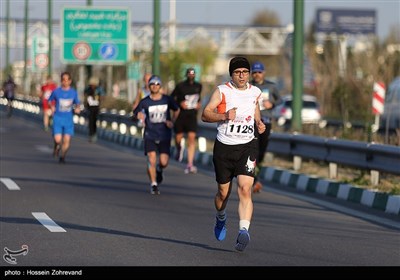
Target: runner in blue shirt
(66,104)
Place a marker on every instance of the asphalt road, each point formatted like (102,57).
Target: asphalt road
(100,213)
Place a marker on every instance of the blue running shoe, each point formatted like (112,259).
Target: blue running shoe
(159,174)
(220,229)
(242,240)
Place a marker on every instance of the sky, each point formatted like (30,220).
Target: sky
(229,12)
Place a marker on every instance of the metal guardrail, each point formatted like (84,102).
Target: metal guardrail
(360,155)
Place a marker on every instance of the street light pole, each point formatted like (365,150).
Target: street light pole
(156,38)
(297,69)
(89,67)
(172,23)
(49,21)
(8,37)
(26,84)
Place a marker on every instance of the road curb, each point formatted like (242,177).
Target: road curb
(378,200)
(370,198)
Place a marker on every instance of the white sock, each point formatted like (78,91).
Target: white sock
(244,224)
(153,184)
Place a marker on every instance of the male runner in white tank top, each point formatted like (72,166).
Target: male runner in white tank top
(234,105)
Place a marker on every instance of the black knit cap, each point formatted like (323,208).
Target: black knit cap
(238,62)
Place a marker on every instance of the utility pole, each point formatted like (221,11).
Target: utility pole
(8,70)
(89,67)
(26,84)
(172,23)
(156,38)
(50,26)
(297,64)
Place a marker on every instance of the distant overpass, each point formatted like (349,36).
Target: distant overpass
(230,39)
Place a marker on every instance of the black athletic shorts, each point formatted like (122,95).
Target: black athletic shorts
(233,160)
(161,147)
(186,122)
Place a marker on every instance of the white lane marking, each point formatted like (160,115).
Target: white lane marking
(44,148)
(10,184)
(47,222)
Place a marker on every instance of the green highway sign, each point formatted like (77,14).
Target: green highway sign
(95,35)
(40,53)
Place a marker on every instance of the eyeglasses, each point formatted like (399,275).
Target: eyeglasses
(244,72)
(257,72)
(154,84)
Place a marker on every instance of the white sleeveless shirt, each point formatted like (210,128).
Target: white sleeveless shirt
(241,129)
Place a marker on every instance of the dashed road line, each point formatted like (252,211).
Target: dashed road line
(45,220)
(10,184)
(44,149)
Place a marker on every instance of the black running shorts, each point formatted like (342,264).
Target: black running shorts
(186,122)
(161,147)
(233,160)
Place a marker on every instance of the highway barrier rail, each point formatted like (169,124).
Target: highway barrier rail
(375,158)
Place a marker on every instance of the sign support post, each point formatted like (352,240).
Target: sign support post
(378,102)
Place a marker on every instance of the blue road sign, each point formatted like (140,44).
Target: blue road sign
(108,51)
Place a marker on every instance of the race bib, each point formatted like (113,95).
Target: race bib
(65,105)
(92,101)
(241,127)
(191,101)
(158,113)
(47,94)
(264,96)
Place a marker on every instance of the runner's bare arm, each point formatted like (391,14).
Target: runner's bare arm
(210,113)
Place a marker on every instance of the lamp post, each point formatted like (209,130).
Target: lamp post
(8,70)
(297,69)
(156,38)
(26,83)
(88,67)
(49,21)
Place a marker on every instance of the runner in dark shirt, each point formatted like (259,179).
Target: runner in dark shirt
(154,112)
(9,87)
(188,95)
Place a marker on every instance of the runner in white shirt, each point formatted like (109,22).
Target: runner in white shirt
(234,105)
